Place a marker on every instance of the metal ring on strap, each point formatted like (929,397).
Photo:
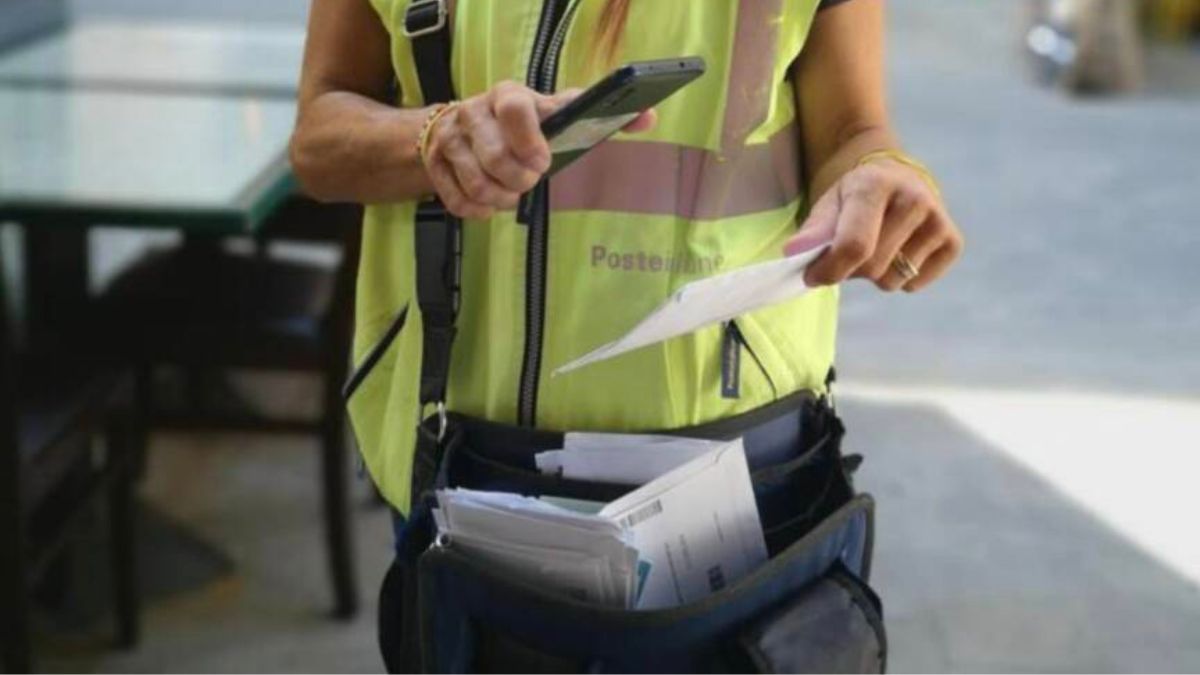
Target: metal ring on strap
(443,416)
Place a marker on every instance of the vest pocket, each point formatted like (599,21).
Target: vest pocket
(375,355)
(734,345)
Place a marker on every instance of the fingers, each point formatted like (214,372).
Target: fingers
(452,196)
(923,242)
(904,218)
(548,104)
(476,183)
(489,150)
(932,248)
(456,175)
(935,268)
(819,227)
(880,211)
(516,109)
(943,250)
(492,153)
(501,165)
(865,194)
(643,123)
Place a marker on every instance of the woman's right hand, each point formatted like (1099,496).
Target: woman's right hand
(489,150)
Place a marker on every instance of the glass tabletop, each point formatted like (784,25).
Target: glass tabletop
(175,56)
(191,162)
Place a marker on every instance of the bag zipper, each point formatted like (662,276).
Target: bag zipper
(535,210)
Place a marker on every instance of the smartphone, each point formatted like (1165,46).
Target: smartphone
(615,101)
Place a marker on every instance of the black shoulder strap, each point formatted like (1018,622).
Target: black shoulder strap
(438,233)
(427,25)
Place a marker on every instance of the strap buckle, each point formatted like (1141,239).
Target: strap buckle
(418,13)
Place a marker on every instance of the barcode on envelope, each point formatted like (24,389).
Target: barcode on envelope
(643,514)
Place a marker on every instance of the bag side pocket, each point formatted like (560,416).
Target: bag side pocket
(834,626)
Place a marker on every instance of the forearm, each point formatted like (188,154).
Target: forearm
(348,147)
(840,92)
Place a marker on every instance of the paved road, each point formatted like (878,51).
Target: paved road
(984,567)
(1082,218)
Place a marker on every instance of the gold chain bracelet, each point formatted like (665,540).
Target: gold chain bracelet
(439,111)
(907,160)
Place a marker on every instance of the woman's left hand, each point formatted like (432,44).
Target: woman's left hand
(879,216)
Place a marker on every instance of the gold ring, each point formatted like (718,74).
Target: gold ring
(905,267)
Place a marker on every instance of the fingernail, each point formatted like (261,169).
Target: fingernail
(797,245)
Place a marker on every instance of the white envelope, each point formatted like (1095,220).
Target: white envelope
(580,554)
(697,525)
(579,575)
(622,459)
(709,301)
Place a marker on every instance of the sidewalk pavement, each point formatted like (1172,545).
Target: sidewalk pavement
(1023,532)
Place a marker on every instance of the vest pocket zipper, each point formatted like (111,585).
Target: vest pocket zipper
(733,343)
(375,355)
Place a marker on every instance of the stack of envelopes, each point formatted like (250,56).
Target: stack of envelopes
(691,529)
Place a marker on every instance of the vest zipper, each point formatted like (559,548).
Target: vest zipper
(535,209)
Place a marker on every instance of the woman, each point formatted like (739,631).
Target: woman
(792,106)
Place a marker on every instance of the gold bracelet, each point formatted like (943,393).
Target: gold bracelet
(439,111)
(907,160)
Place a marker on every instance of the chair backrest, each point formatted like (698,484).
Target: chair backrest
(22,20)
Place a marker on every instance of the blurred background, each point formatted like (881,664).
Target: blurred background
(1031,425)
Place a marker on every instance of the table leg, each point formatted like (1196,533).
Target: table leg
(56,273)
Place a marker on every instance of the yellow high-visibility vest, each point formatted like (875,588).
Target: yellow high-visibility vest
(717,185)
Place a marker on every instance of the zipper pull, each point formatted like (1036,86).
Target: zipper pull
(529,203)
(525,209)
(731,361)
(830,380)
